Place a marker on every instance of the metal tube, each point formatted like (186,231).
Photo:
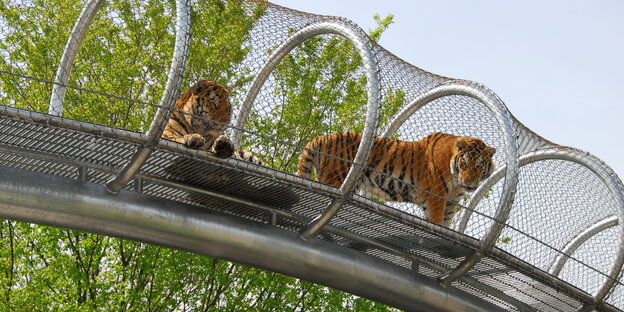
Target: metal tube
(578,240)
(319,222)
(364,47)
(172,89)
(57,97)
(176,71)
(126,135)
(87,207)
(451,276)
(478,194)
(129,171)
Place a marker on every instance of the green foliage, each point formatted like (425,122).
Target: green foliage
(127,53)
(504,240)
(46,268)
(382,25)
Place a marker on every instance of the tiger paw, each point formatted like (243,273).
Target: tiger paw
(223,147)
(194,140)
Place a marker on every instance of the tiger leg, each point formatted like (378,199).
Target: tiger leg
(223,147)
(449,213)
(193,140)
(435,209)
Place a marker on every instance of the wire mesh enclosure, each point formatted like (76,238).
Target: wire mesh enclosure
(235,106)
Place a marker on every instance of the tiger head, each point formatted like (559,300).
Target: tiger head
(207,107)
(471,163)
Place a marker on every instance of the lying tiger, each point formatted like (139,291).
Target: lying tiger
(433,172)
(200,118)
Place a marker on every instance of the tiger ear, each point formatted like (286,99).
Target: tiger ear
(461,145)
(490,151)
(229,89)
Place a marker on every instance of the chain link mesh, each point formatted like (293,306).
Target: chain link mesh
(115,86)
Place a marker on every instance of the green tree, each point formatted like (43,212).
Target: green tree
(127,53)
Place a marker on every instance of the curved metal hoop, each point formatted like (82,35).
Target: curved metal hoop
(578,240)
(594,166)
(494,104)
(174,80)
(57,97)
(172,88)
(364,47)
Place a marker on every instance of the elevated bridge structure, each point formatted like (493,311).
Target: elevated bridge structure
(542,233)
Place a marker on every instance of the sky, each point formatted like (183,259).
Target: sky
(558,65)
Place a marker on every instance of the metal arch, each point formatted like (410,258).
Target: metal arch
(86,206)
(172,88)
(505,123)
(580,158)
(364,47)
(57,98)
(579,240)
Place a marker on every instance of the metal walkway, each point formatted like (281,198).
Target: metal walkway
(543,233)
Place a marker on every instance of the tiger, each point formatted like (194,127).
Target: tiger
(201,115)
(434,172)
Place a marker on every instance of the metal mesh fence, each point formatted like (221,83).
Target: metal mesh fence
(295,77)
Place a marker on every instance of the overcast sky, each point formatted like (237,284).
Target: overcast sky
(558,65)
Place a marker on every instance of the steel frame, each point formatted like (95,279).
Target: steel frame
(85,206)
(57,97)
(172,87)
(577,241)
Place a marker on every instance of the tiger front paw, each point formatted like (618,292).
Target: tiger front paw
(223,147)
(194,140)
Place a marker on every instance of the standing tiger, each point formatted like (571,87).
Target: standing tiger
(201,115)
(433,172)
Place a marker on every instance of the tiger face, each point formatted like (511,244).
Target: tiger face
(472,163)
(210,102)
